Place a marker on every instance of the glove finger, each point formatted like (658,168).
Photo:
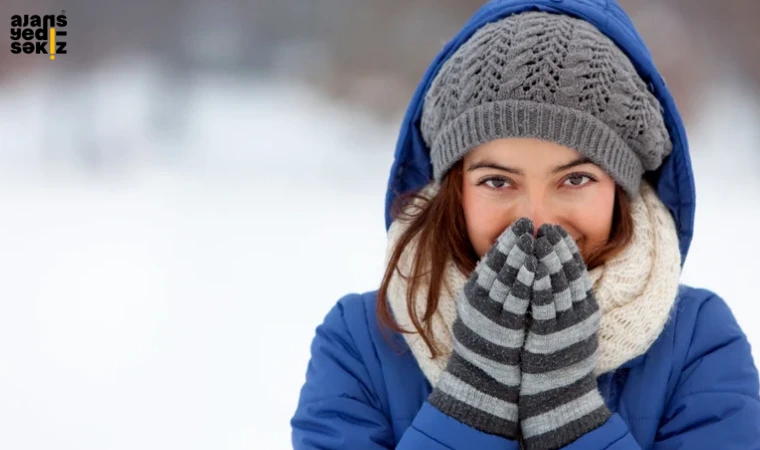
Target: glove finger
(572,263)
(557,238)
(542,299)
(505,280)
(522,226)
(518,299)
(509,237)
(489,288)
(486,307)
(547,255)
(492,263)
(484,316)
(572,246)
(518,255)
(543,230)
(569,255)
(488,268)
(542,247)
(563,298)
(516,229)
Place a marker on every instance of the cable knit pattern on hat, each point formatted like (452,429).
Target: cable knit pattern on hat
(636,290)
(551,77)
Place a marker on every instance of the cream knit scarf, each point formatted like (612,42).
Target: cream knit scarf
(635,290)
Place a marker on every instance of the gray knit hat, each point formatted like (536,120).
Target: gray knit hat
(546,76)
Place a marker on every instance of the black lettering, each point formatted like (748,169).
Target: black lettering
(16,21)
(41,34)
(28,48)
(61,21)
(15,48)
(60,48)
(36,21)
(15,34)
(61,33)
(27,34)
(40,48)
(49,20)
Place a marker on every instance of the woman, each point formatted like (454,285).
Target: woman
(532,296)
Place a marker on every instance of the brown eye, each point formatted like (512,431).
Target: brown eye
(577,180)
(496,182)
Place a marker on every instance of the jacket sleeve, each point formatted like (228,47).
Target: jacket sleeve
(715,402)
(339,409)
(613,435)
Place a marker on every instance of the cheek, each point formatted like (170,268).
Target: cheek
(486,219)
(594,220)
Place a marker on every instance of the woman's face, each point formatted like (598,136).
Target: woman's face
(506,179)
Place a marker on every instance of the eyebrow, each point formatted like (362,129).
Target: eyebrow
(485,164)
(577,162)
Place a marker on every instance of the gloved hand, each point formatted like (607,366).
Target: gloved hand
(559,397)
(481,383)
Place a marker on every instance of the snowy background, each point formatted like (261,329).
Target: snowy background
(161,290)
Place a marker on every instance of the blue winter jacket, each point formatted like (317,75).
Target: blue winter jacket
(695,388)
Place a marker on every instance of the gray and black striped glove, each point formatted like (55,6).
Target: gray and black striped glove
(481,383)
(559,397)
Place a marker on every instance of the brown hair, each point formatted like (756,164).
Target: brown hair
(439,228)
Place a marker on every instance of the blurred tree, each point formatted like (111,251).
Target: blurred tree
(380,48)
(732,25)
(368,52)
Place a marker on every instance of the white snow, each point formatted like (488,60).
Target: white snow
(166,303)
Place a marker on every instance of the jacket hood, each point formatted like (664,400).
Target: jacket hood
(673,181)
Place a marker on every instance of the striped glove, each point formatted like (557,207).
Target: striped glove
(559,397)
(480,386)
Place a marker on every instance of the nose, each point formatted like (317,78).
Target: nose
(536,208)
